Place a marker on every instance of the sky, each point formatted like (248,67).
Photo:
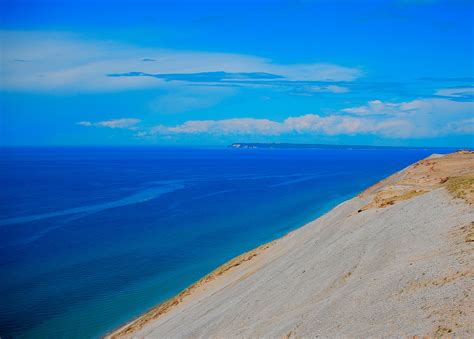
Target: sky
(393,72)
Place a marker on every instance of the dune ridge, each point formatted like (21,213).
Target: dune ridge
(397,260)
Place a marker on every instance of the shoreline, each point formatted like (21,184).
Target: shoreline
(160,309)
(414,181)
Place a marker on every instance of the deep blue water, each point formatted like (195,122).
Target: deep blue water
(92,237)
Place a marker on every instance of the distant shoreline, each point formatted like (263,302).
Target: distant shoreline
(275,145)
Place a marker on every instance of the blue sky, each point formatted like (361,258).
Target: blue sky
(395,72)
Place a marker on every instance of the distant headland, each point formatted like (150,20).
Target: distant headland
(315,146)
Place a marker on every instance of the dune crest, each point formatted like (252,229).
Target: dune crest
(454,171)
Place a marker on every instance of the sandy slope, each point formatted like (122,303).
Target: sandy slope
(396,260)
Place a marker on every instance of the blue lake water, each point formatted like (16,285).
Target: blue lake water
(92,237)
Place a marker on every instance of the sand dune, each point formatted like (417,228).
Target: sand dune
(397,260)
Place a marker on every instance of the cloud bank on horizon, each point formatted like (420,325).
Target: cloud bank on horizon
(82,86)
(418,118)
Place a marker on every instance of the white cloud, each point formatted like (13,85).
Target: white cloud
(378,107)
(306,124)
(223,127)
(417,118)
(33,61)
(124,123)
(374,107)
(412,108)
(427,117)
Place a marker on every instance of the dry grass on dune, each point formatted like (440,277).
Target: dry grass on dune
(462,187)
(454,171)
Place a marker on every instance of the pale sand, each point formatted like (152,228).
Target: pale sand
(398,260)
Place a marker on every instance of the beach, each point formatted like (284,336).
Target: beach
(396,260)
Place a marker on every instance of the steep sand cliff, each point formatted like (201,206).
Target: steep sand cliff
(396,260)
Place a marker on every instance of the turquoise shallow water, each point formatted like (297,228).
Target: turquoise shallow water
(92,237)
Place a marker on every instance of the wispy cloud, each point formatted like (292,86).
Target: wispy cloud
(204,76)
(458,92)
(309,90)
(459,79)
(124,123)
(63,62)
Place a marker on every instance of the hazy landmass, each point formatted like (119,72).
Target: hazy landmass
(315,146)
